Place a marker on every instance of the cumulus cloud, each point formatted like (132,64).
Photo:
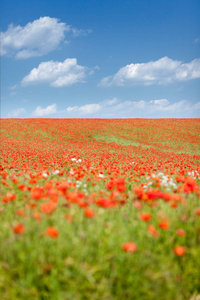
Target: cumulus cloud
(116,108)
(85,109)
(17,112)
(36,38)
(163,71)
(56,73)
(41,112)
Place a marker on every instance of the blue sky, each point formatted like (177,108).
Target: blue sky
(100,59)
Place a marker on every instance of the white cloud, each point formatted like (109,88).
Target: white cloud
(116,108)
(79,32)
(36,38)
(163,71)
(17,112)
(49,110)
(196,40)
(13,87)
(87,109)
(56,73)
(161,102)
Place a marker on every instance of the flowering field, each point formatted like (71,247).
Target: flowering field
(100,209)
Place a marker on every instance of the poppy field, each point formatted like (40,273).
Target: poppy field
(100,209)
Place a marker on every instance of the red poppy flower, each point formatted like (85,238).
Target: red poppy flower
(18,229)
(52,232)
(129,247)
(138,190)
(9,197)
(138,204)
(153,231)
(121,185)
(37,216)
(110,185)
(145,216)
(190,185)
(36,192)
(179,250)
(48,207)
(164,225)
(181,232)
(89,213)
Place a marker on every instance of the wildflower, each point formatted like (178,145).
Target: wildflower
(175,197)
(190,185)
(164,225)
(181,232)
(14,180)
(110,185)
(151,229)
(129,247)
(52,232)
(137,204)
(18,229)
(101,175)
(32,181)
(48,207)
(61,172)
(56,172)
(44,175)
(20,212)
(179,250)
(180,178)
(21,187)
(155,194)
(145,217)
(37,216)
(121,185)
(106,203)
(89,213)
(138,190)
(9,197)
(36,192)
(174,204)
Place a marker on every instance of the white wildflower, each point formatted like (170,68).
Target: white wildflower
(44,174)
(56,172)
(101,175)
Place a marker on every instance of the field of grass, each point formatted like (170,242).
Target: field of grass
(100,209)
